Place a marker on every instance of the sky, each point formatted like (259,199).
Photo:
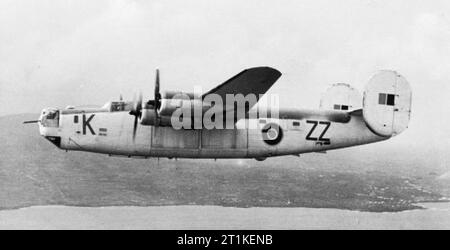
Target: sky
(55,53)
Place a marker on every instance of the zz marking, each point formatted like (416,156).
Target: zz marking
(321,140)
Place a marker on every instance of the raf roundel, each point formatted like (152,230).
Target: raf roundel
(272,134)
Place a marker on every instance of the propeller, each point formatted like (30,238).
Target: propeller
(136,110)
(157,96)
(156,102)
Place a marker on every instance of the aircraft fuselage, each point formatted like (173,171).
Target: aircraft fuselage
(112,133)
(138,129)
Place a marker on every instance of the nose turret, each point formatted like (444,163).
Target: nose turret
(49,124)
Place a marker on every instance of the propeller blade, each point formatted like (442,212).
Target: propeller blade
(136,112)
(157,95)
(139,104)
(157,102)
(135,127)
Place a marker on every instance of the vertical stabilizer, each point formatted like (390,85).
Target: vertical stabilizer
(341,96)
(387,103)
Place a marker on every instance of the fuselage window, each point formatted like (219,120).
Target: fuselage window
(340,107)
(295,124)
(75,119)
(386,99)
(382,99)
(390,100)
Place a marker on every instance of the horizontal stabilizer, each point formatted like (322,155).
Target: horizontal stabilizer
(357,112)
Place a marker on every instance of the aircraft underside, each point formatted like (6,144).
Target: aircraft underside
(291,137)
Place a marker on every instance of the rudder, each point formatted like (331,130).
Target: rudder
(341,96)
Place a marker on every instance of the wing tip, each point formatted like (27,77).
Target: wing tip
(266,69)
(269,74)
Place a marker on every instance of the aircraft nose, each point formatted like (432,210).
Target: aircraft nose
(49,124)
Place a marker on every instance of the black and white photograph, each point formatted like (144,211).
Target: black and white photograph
(224,115)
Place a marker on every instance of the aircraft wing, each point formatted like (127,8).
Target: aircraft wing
(250,81)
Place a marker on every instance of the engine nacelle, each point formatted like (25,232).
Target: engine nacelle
(186,102)
(149,117)
(171,101)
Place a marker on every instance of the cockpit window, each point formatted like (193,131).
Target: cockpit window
(117,106)
(52,115)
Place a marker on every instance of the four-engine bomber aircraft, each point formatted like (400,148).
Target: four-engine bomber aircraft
(137,129)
